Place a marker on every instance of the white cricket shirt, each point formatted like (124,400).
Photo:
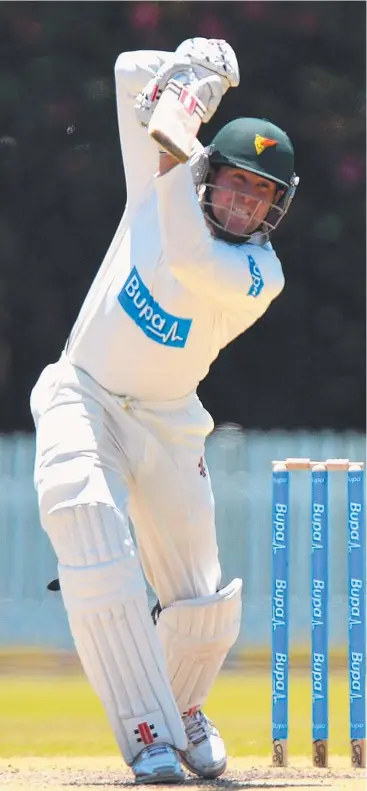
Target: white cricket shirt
(168,295)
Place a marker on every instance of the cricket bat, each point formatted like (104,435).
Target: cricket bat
(177,119)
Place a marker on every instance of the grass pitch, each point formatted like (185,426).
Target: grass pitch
(61,716)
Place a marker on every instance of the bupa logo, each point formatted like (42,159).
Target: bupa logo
(147,314)
(257,281)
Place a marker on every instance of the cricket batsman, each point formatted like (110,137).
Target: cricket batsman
(120,429)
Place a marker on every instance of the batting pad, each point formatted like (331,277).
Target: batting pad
(105,597)
(196,635)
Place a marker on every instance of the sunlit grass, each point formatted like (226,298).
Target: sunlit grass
(60,715)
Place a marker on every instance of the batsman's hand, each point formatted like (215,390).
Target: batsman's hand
(211,56)
(148,98)
(209,90)
(195,61)
(180,111)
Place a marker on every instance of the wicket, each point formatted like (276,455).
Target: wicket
(356,567)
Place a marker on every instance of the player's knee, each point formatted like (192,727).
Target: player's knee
(205,622)
(97,588)
(75,493)
(98,561)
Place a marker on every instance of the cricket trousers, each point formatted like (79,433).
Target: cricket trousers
(100,460)
(143,459)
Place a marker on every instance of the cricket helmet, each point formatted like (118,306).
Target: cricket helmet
(260,147)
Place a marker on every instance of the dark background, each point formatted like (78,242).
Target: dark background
(62,192)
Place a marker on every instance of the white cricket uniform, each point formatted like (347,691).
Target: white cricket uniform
(119,425)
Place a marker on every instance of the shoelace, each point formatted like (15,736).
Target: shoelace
(197,728)
(157,749)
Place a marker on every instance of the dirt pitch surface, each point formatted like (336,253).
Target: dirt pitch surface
(99,774)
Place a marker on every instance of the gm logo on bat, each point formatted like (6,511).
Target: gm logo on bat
(158,325)
(257,281)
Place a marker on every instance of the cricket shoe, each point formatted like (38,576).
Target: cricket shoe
(205,754)
(158,763)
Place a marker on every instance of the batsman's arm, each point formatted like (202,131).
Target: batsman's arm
(238,277)
(166,163)
(140,153)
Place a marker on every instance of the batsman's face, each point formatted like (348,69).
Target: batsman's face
(240,200)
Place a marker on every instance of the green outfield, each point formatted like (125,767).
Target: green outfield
(60,715)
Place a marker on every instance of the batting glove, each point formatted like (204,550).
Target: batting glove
(195,62)
(146,101)
(211,55)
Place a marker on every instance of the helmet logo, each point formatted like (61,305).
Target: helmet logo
(261,143)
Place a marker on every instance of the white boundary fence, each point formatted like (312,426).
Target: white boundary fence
(240,468)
